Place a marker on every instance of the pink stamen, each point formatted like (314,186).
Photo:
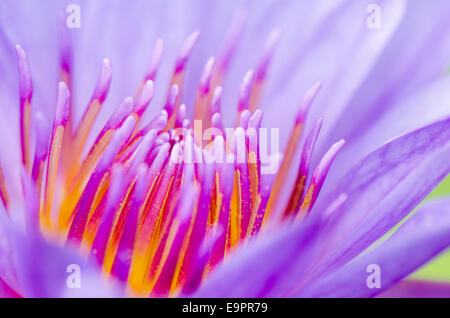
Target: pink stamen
(217,100)
(179,229)
(226,183)
(186,51)
(272,42)
(244,92)
(181,116)
(144,98)
(169,107)
(319,176)
(122,261)
(255,119)
(115,196)
(104,82)
(303,170)
(310,96)
(244,119)
(25,82)
(26,93)
(211,240)
(59,124)
(240,152)
(205,80)
(155,60)
(84,205)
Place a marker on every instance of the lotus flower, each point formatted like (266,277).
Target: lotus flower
(151,195)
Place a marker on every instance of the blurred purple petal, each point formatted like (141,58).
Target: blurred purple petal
(44,269)
(406,65)
(258,268)
(429,104)
(6,291)
(383,188)
(417,289)
(422,237)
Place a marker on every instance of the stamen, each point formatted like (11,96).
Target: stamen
(91,112)
(178,75)
(77,184)
(244,119)
(142,251)
(255,119)
(167,258)
(265,187)
(168,212)
(216,122)
(104,137)
(205,80)
(144,98)
(159,123)
(142,151)
(59,125)
(104,82)
(291,147)
(203,100)
(170,106)
(181,116)
(66,61)
(254,164)
(210,241)
(186,51)
(83,207)
(244,194)
(37,173)
(303,170)
(244,92)
(262,68)
(200,220)
(174,242)
(155,60)
(115,197)
(26,93)
(310,96)
(318,178)
(122,262)
(225,189)
(217,100)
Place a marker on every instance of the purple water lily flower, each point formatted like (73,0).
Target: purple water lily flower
(119,176)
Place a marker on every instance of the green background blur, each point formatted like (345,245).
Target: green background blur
(439,268)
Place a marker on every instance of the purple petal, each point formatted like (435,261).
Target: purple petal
(259,268)
(6,291)
(417,289)
(422,237)
(44,269)
(427,105)
(383,188)
(340,52)
(416,56)
(8,268)
(341,36)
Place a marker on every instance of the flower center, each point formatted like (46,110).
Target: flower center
(159,205)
